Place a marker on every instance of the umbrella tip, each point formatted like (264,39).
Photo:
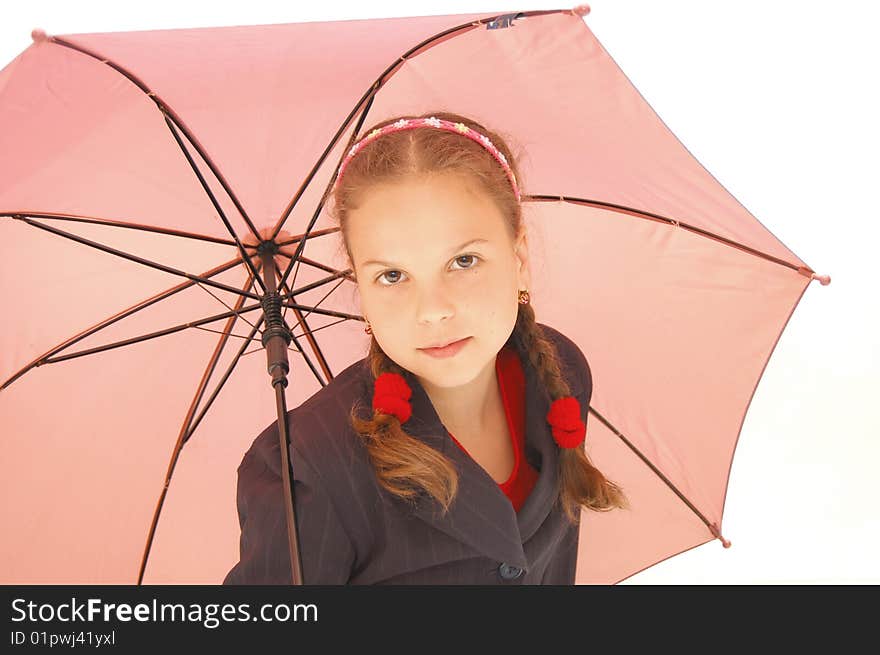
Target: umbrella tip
(824,280)
(581,10)
(716,532)
(39,35)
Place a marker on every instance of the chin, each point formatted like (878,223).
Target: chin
(451,373)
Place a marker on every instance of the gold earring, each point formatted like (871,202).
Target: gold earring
(524,297)
(368,328)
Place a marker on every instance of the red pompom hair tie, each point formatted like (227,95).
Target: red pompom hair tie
(391,395)
(564,417)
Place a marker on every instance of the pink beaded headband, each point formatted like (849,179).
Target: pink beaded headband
(410,123)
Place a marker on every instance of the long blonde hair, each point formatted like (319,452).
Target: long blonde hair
(404,465)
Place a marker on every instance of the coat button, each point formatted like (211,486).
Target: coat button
(509,572)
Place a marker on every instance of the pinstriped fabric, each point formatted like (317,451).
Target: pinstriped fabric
(351,531)
(328,558)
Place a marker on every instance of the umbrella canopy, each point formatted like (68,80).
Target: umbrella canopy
(138,172)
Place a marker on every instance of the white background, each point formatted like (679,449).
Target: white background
(779,101)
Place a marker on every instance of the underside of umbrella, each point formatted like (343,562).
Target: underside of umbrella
(150,179)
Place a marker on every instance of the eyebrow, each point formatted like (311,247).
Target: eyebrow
(457,248)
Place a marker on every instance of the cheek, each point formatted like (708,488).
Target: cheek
(491,298)
(382,303)
(385,308)
(489,286)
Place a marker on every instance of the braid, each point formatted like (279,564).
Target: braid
(580,483)
(405,466)
(541,352)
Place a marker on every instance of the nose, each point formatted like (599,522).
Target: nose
(435,305)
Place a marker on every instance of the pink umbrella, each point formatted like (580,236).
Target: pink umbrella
(140,170)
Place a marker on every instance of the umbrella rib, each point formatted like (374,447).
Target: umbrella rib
(639,213)
(191,428)
(324,267)
(325,312)
(183,326)
(335,273)
(171,116)
(113,319)
(282,284)
(713,527)
(151,335)
(317,329)
(315,284)
(369,99)
(317,233)
(132,226)
(223,302)
(185,430)
(135,258)
(146,228)
(237,336)
(370,93)
(346,274)
(190,425)
(301,320)
(214,202)
(367,102)
(297,255)
(290,294)
(169,113)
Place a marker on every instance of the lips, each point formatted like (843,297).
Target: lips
(443,344)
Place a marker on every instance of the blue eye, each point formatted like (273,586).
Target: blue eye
(382,275)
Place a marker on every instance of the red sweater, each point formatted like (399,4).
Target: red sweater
(511,383)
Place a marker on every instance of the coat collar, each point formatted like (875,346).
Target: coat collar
(481,515)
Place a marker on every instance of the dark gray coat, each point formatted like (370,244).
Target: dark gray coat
(352,531)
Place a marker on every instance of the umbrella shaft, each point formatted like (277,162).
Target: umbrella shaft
(276,338)
(276,335)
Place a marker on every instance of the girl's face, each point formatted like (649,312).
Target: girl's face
(422,284)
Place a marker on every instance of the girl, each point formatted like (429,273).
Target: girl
(469,467)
